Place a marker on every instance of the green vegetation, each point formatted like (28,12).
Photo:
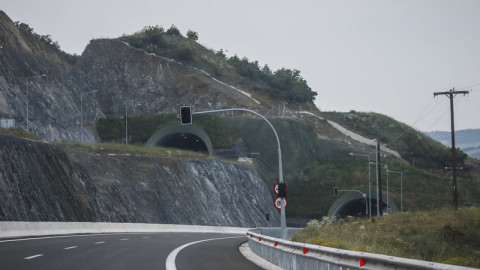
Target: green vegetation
(412,145)
(47,40)
(444,236)
(283,83)
(142,127)
(312,167)
(129,149)
(19,133)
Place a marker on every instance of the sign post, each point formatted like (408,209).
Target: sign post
(283,219)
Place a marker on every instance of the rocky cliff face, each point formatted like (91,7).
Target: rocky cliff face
(40,182)
(110,78)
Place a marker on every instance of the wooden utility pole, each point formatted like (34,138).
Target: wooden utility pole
(451,94)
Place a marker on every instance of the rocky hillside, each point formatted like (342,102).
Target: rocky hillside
(110,78)
(41,182)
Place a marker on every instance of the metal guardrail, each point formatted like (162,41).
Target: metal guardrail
(294,255)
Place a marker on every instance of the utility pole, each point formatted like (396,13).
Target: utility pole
(451,94)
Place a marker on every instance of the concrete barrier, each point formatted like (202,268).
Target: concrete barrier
(15,229)
(294,255)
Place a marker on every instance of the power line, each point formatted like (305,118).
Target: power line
(470,86)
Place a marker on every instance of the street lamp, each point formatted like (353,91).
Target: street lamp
(378,191)
(388,202)
(81,111)
(369,189)
(401,188)
(36,76)
(126,119)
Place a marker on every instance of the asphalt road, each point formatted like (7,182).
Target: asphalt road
(125,251)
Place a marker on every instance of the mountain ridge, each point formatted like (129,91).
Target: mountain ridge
(468,140)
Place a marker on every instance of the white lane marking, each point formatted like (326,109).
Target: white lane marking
(72,247)
(170,263)
(33,257)
(146,237)
(124,239)
(101,242)
(63,236)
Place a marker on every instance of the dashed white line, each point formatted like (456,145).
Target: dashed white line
(72,247)
(33,257)
(101,242)
(146,237)
(124,239)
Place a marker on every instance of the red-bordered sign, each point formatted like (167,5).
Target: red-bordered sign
(275,188)
(278,203)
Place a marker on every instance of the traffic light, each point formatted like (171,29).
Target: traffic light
(335,191)
(185,115)
(282,190)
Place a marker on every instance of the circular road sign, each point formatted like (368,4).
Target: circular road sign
(278,203)
(275,188)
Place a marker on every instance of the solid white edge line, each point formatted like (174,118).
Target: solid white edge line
(70,235)
(170,263)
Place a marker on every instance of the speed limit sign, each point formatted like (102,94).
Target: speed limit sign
(278,203)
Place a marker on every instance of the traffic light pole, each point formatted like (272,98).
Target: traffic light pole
(283,219)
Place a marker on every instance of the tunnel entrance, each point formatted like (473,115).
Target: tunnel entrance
(356,208)
(353,204)
(185,137)
(186,141)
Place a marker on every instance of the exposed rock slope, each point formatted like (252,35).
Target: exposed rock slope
(43,183)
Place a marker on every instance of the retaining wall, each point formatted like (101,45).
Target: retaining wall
(14,229)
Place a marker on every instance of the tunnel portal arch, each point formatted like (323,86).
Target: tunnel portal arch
(353,204)
(188,137)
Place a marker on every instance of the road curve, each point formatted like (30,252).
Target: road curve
(124,251)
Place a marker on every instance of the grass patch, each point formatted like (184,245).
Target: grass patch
(121,149)
(131,149)
(19,133)
(443,236)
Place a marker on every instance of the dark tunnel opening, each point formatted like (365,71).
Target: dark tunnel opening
(356,208)
(185,141)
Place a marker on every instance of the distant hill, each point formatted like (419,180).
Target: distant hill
(468,140)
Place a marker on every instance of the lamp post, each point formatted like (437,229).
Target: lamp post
(401,188)
(388,203)
(126,119)
(369,189)
(81,111)
(29,77)
(378,191)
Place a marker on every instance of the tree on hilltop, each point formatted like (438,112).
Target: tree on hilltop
(192,35)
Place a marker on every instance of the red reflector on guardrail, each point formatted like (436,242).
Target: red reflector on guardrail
(304,250)
(259,239)
(276,244)
(362,262)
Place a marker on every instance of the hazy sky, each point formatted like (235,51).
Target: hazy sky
(371,55)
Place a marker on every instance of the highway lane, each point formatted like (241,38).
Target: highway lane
(124,251)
